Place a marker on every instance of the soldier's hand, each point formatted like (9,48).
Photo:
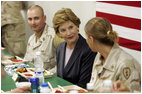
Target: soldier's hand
(118,86)
(21,90)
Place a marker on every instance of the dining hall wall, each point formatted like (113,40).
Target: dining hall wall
(85,10)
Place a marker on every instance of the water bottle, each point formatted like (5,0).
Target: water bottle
(39,70)
(34,85)
(107,86)
(90,87)
(44,88)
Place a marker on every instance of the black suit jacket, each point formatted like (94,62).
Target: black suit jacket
(79,67)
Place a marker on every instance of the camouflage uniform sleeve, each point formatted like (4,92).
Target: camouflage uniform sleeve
(28,51)
(130,76)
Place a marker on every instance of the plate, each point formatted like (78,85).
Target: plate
(30,73)
(23,84)
(47,74)
(6,60)
(67,89)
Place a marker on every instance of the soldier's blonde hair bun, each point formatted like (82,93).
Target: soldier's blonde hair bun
(101,30)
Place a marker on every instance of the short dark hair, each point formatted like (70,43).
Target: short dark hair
(36,6)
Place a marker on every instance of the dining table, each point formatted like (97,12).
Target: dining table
(7,83)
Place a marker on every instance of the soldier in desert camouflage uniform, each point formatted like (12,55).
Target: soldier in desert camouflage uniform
(111,62)
(42,40)
(13,28)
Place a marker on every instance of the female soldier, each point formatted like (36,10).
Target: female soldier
(111,62)
(74,57)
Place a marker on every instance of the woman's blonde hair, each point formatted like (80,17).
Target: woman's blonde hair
(101,30)
(63,15)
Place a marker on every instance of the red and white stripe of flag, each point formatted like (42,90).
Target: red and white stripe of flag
(125,17)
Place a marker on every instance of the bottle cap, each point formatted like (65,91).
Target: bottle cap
(44,85)
(90,86)
(34,82)
(38,53)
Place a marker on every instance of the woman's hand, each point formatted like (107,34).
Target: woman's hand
(21,90)
(118,86)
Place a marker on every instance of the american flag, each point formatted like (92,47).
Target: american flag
(125,17)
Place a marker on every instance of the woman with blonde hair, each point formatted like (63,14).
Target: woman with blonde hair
(74,57)
(111,62)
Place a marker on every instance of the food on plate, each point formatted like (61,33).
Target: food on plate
(28,74)
(79,91)
(59,91)
(16,60)
(70,90)
(21,70)
(47,72)
(32,70)
(13,58)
